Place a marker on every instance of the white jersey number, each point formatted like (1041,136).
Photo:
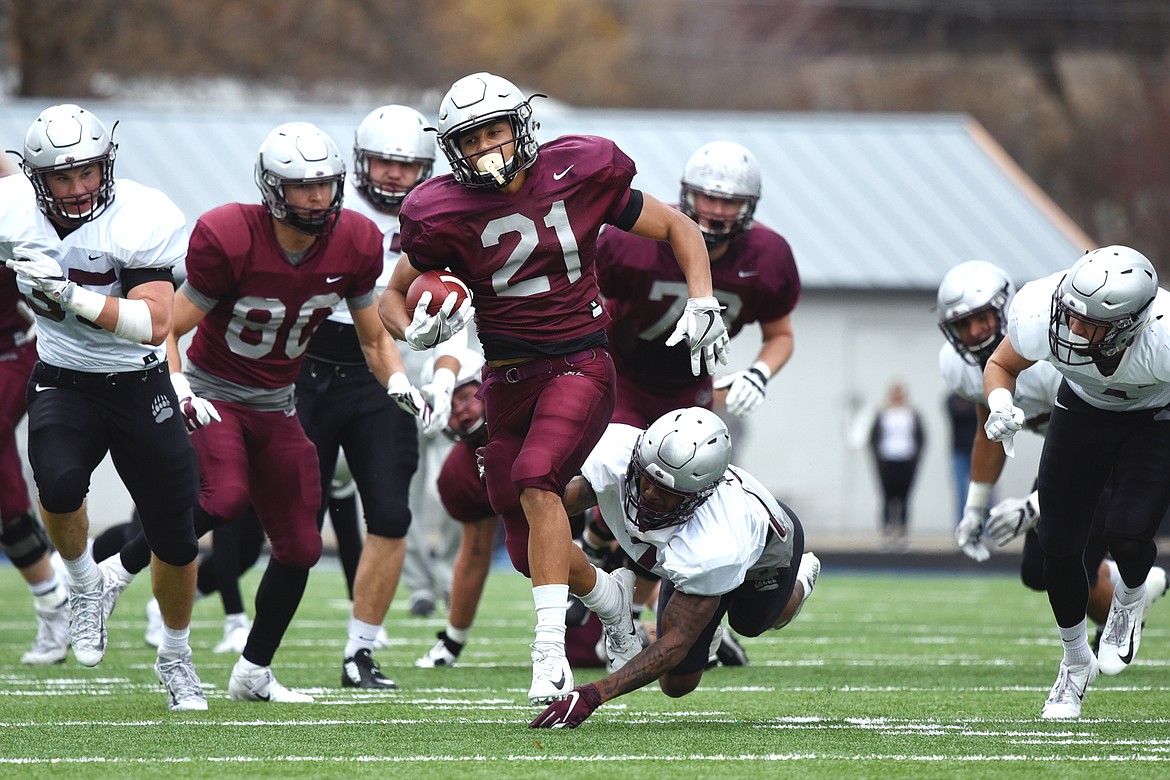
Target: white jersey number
(557,219)
(256,322)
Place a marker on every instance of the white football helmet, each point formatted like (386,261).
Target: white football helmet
(300,152)
(722,169)
(470,372)
(967,289)
(684,452)
(391,133)
(62,137)
(1112,289)
(480,99)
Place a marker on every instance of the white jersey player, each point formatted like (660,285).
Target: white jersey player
(1103,325)
(93,255)
(718,539)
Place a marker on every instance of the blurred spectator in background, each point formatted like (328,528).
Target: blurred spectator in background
(896,440)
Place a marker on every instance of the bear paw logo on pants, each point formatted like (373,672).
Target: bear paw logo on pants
(161,408)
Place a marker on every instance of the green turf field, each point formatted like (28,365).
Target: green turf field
(890,675)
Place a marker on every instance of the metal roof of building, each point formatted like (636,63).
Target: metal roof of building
(868,201)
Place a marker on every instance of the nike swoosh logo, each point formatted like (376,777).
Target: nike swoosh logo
(1059,405)
(41,388)
(561,682)
(94,259)
(1125,659)
(561,175)
(332,279)
(745,274)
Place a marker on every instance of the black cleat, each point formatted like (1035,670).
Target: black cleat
(361,671)
(730,652)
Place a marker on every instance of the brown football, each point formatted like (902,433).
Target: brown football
(440,284)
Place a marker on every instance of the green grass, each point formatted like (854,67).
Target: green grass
(883,675)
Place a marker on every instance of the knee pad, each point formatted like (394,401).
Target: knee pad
(24,540)
(64,492)
(389,518)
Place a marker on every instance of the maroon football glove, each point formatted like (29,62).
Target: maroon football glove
(570,712)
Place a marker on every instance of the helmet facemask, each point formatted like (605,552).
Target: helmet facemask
(716,232)
(473,102)
(977,354)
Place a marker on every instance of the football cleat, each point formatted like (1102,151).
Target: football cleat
(177,674)
(261,685)
(113,583)
(87,626)
(235,634)
(154,623)
(360,670)
(810,567)
(445,653)
(1121,635)
(621,638)
(730,652)
(52,641)
(552,677)
(422,608)
(1068,692)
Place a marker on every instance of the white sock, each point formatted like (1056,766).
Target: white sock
(246,666)
(1127,596)
(459,635)
(552,602)
(174,641)
(605,599)
(50,593)
(83,573)
(1076,644)
(361,636)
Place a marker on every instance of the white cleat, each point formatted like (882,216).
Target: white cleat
(441,654)
(87,626)
(235,635)
(1121,635)
(621,638)
(52,641)
(1068,692)
(261,685)
(154,623)
(810,567)
(552,677)
(184,690)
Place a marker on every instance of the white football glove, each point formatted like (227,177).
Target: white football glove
(1012,517)
(438,394)
(408,398)
(42,271)
(197,412)
(429,330)
(1006,419)
(745,389)
(702,326)
(969,533)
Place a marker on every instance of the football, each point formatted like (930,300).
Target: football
(439,284)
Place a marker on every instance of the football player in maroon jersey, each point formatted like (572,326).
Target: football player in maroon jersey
(754,278)
(22,537)
(518,223)
(260,280)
